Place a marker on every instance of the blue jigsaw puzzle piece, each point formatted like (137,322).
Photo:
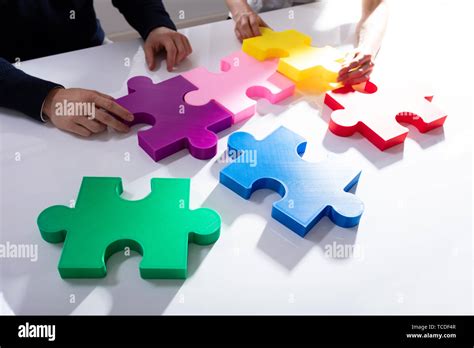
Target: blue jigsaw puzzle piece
(309,191)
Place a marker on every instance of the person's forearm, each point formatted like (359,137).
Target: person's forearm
(237,7)
(22,92)
(371,28)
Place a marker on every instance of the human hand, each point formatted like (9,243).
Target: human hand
(247,25)
(356,69)
(177,47)
(84,112)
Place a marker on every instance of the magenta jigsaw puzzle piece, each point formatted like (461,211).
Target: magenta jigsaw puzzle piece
(175,124)
(242,78)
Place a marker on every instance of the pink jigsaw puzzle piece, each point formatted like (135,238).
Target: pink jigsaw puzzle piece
(175,124)
(376,110)
(242,78)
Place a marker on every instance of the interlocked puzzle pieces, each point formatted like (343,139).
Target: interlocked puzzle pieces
(298,59)
(374,111)
(102,223)
(242,78)
(309,190)
(175,124)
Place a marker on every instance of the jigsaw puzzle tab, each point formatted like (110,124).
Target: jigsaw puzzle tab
(298,59)
(242,78)
(309,191)
(376,110)
(175,124)
(159,227)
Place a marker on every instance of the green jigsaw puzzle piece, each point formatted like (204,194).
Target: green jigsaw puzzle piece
(159,227)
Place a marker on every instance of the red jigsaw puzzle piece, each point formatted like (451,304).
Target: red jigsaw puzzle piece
(375,111)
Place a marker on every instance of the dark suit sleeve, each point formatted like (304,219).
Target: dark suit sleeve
(144,15)
(22,92)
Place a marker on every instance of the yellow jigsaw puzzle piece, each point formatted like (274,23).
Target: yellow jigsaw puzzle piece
(301,62)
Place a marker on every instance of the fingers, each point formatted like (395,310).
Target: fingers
(91,125)
(112,107)
(187,49)
(177,48)
(187,45)
(104,95)
(248,25)
(244,27)
(181,49)
(150,56)
(105,108)
(362,69)
(357,60)
(357,71)
(357,79)
(238,34)
(108,120)
(253,23)
(105,112)
(358,76)
(171,53)
(77,129)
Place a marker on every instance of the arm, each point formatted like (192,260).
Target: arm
(370,33)
(247,22)
(145,15)
(22,92)
(150,19)
(372,25)
(37,98)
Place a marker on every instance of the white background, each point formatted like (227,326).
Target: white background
(415,236)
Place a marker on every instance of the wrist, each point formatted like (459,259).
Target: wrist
(367,44)
(240,8)
(161,30)
(367,49)
(47,110)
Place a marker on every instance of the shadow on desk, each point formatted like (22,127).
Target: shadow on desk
(37,289)
(277,241)
(380,159)
(44,292)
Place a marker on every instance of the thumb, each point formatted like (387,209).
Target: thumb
(150,57)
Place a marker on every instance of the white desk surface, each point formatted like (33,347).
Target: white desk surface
(414,242)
